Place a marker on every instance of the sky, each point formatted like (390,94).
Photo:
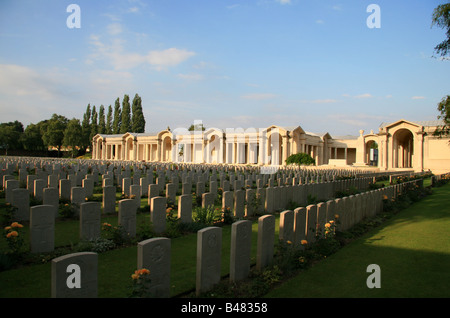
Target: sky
(317,64)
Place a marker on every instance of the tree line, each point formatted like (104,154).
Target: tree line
(58,131)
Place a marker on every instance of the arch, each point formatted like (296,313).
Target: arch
(274,146)
(371,152)
(403,148)
(129,148)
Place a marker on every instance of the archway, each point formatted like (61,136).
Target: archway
(371,153)
(403,143)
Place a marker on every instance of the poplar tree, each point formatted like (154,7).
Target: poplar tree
(109,130)
(101,120)
(126,115)
(117,117)
(86,128)
(138,120)
(94,125)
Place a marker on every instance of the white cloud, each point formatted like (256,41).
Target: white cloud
(323,101)
(418,97)
(260,96)
(367,95)
(19,81)
(320,21)
(115,54)
(284,1)
(191,76)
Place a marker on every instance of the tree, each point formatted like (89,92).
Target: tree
(73,136)
(94,125)
(444,109)
(32,138)
(109,129)
(137,120)
(11,135)
(126,115)
(86,128)
(300,159)
(54,135)
(117,117)
(196,127)
(101,120)
(441,18)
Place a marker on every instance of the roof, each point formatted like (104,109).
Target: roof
(425,123)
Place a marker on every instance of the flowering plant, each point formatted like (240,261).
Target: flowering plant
(14,237)
(141,283)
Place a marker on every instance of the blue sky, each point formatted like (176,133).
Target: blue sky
(229,63)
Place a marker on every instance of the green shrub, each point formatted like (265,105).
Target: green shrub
(300,159)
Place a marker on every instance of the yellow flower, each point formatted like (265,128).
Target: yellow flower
(304,242)
(16,224)
(7,228)
(336,216)
(289,242)
(327,225)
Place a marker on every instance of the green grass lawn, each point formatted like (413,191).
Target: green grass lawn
(412,250)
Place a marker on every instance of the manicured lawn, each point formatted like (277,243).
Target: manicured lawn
(412,250)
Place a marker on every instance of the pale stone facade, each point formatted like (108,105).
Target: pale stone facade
(400,145)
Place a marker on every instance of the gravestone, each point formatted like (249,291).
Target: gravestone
(171,192)
(186,188)
(321,218)
(109,199)
(30,183)
(127,216)
(239,203)
(208,200)
(144,186)
(265,244)
(251,202)
(158,214)
(75,276)
(209,254)
(311,223)
(154,255)
(153,191)
(88,185)
(107,181)
(286,229)
(42,229)
(53,181)
(64,189)
(200,188)
(185,208)
(228,200)
(10,185)
(21,201)
(90,220)
(39,186)
(269,202)
(240,254)
(299,225)
(135,194)
(77,196)
(51,197)
(126,182)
